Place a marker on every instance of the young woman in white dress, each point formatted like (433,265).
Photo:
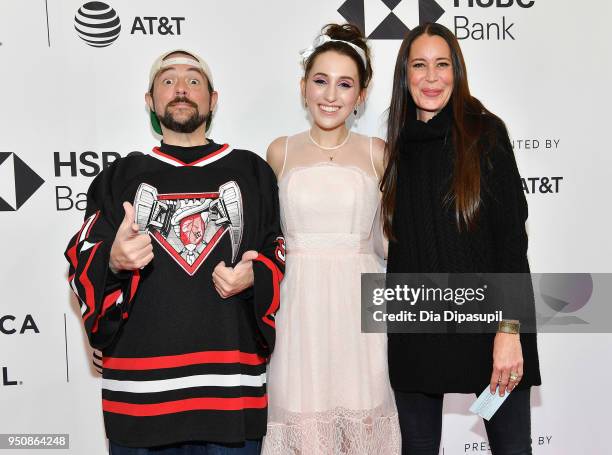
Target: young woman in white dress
(328,383)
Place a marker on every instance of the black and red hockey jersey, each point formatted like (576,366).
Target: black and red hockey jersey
(179,362)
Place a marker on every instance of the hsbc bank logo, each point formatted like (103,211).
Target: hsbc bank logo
(73,164)
(389,19)
(18,182)
(392,19)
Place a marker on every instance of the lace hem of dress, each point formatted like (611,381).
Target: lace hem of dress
(335,432)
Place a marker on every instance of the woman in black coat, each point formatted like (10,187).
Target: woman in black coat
(453,203)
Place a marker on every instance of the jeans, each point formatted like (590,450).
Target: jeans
(420,417)
(250,447)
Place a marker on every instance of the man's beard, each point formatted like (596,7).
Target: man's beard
(185,126)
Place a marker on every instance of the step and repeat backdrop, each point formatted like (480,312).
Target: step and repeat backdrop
(72,82)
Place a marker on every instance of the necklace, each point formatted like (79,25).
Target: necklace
(335,147)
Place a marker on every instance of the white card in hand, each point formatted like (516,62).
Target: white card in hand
(487,404)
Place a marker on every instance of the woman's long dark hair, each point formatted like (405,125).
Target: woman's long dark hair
(468,117)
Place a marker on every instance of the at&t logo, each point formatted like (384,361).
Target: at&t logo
(99,25)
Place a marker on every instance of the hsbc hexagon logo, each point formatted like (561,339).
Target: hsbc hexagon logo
(389,19)
(18,182)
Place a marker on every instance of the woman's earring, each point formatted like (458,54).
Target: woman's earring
(355,111)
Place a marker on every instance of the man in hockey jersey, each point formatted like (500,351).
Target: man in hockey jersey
(183,368)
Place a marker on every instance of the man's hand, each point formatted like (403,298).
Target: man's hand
(131,250)
(230,281)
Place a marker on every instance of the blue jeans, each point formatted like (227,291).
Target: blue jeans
(420,417)
(250,447)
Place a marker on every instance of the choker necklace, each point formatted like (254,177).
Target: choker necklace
(335,147)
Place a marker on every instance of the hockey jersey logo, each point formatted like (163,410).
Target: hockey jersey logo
(189,225)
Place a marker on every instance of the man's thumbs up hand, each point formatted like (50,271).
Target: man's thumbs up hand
(131,250)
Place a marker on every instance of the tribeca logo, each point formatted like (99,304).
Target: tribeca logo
(97,24)
(10,324)
(17,182)
(6,379)
(389,19)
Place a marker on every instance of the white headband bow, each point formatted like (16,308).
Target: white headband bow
(322,39)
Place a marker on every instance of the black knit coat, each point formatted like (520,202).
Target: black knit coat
(428,241)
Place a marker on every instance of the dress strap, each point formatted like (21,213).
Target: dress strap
(285,157)
(372,159)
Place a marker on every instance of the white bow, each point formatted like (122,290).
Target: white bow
(322,39)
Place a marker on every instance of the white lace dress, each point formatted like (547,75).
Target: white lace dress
(328,384)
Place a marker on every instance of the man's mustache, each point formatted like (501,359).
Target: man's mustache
(182,99)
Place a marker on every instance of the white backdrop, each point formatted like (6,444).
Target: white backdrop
(548,76)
